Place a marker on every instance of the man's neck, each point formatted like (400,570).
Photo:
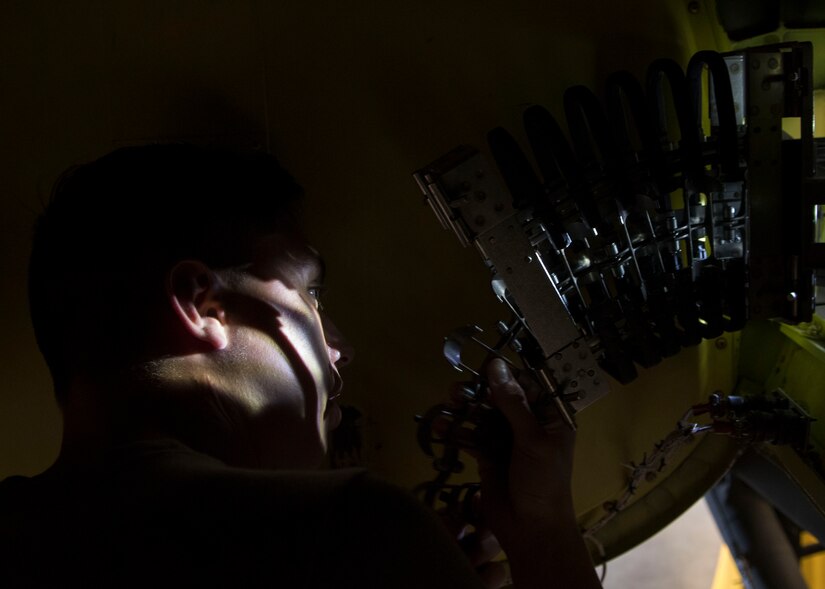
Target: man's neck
(97,419)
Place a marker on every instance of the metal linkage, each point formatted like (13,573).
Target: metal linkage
(630,243)
(775,419)
(639,236)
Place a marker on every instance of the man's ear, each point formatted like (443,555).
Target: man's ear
(195,294)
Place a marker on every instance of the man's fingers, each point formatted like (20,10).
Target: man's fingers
(481,547)
(508,397)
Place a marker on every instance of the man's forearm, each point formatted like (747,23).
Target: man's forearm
(554,557)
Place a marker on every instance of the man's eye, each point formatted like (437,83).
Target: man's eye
(315,292)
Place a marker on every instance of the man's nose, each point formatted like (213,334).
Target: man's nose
(341,351)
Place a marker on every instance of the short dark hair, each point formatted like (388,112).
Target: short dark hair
(115,226)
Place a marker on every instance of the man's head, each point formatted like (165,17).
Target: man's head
(183,269)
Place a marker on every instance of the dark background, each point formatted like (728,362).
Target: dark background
(352,97)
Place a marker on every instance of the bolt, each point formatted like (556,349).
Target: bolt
(721,343)
(693,8)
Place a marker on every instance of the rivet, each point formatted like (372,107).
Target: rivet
(721,343)
(773,63)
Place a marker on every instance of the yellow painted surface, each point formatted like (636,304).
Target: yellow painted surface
(352,99)
(813,568)
(727,575)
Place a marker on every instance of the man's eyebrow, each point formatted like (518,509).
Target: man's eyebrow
(320,263)
(322,270)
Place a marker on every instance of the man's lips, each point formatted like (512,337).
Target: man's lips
(332,415)
(337,385)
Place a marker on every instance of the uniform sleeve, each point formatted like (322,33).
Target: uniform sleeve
(389,539)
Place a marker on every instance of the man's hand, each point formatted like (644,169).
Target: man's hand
(528,502)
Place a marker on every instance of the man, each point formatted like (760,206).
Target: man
(177,306)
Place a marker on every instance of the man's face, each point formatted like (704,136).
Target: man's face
(283,354)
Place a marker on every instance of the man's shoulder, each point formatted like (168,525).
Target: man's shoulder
(197,519)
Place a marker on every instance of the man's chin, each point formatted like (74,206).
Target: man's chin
(332,416)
